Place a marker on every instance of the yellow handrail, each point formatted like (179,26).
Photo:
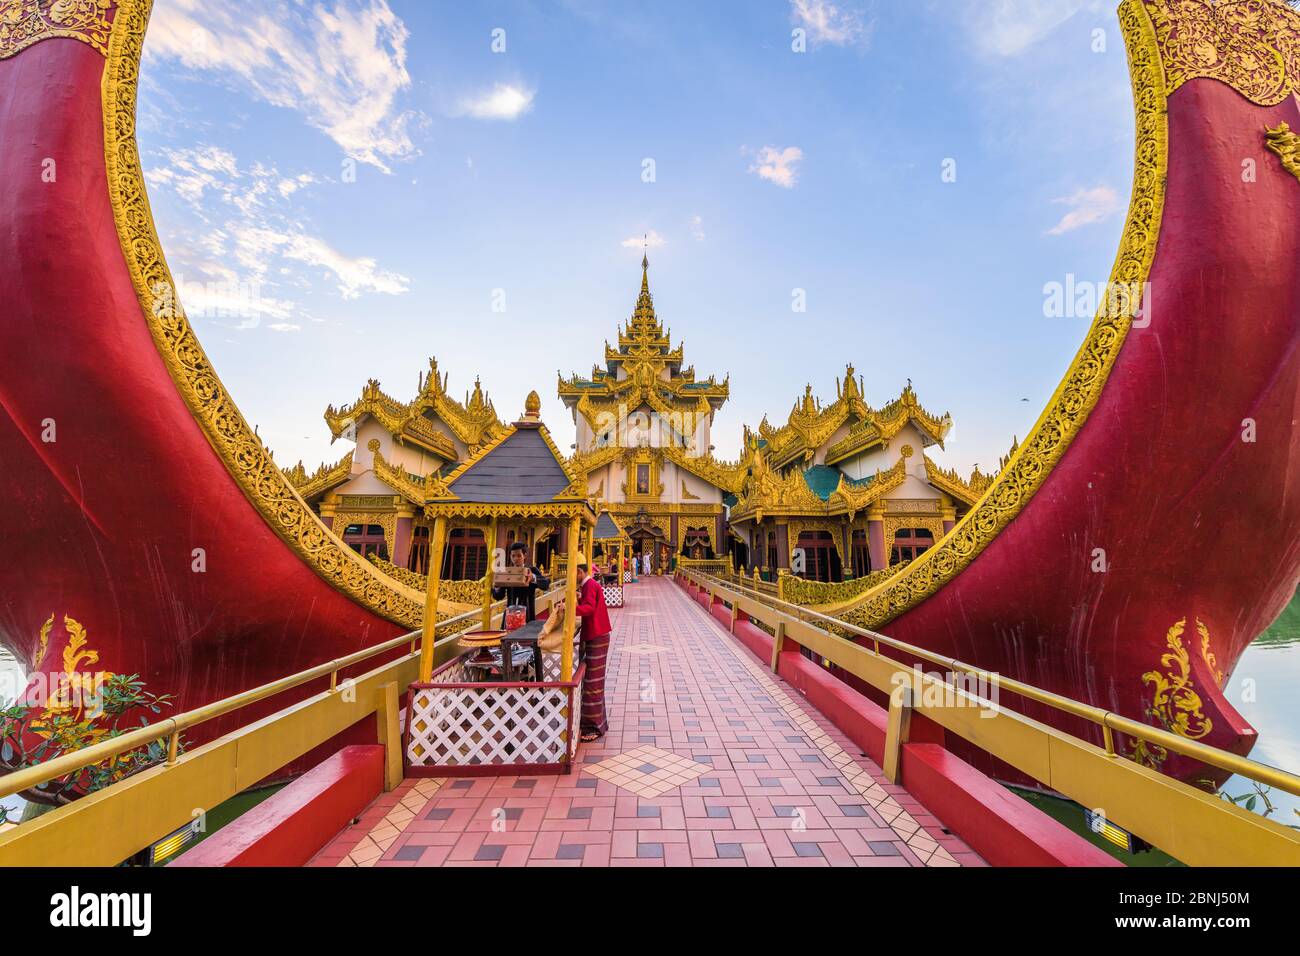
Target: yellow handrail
(1106,719)
(1192,825)
(68,763)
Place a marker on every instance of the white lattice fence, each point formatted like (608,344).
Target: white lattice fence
(627,577)
(458,726)
(613,595)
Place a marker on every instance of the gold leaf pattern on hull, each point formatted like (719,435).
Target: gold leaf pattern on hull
(1251,45)
(24,22)
(1176,703)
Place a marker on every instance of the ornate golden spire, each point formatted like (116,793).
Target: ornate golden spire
(645,324)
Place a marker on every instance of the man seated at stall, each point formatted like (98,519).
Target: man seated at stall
(525,594)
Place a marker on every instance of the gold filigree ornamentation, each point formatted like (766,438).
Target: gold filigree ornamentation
(1175,702)
(1286,145)
(1251,45)
(24,22)
(652,376)
(411,487)
(196,380)
(1084,381)
(467,592)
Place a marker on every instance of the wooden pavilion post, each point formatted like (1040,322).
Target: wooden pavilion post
(487,578)
(436,547)
(570,598)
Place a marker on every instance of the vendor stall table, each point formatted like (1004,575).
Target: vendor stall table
(473,715)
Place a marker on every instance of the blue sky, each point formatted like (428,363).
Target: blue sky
(344,187)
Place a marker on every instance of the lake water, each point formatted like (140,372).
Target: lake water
(11,683)
(1265,688)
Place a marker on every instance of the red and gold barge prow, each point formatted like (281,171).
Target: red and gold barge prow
(1145,531)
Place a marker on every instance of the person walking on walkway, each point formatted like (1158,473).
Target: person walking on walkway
(595,650)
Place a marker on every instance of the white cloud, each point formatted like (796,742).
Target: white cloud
(505,101)
(827,23)
(353,275)
(248,238)
(1009,27)
(651,240)
(697,228)
(778,165)
(343,67)
(1087,206)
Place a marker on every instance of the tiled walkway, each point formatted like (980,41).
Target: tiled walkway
(710,761)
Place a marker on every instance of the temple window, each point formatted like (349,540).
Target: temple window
(419,557)
(861,554)
(910,544)
(366,539)
(821,560)
(466,557)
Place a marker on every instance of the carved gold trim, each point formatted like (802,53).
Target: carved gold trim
(467,592)
(410,487)
(966,490)
(25,22)
(325,478)
(545,509)
(213,408)
(807,593)
(1079,391)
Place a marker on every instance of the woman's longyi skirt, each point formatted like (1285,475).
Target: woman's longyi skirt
(594,654)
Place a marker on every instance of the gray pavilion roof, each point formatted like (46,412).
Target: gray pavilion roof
(606,528)
(522,469)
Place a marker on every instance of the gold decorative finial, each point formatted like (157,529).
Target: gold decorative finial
(533,406)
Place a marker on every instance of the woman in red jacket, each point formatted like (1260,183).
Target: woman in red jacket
(594,649)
